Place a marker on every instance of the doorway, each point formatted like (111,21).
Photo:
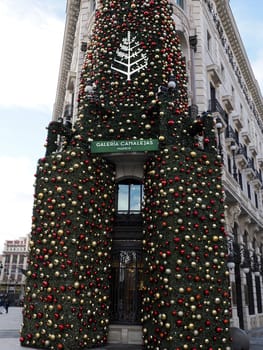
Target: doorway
(126,281)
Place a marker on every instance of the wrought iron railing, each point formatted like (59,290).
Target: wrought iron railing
(215,106)
(242,150)
(230,133)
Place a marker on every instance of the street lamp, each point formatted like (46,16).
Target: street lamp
(219,126)
(238,255)
(233,148)
(245,265)
(255,265)
(230,262)
(231,258)
(169,89)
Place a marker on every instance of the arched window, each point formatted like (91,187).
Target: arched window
(129,198)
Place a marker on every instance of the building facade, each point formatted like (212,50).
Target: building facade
(13,267)
(220,79)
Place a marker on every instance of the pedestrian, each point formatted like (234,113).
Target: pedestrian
(6,306)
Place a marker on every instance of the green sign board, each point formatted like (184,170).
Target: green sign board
(124,146)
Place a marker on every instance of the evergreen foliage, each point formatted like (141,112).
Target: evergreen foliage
(133,53)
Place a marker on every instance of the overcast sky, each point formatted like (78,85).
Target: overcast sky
(31,34)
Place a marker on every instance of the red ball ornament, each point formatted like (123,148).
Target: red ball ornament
(45,284)
(21,339)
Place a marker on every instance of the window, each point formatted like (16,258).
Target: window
(237,136)
(240,180)
(129,197)
(233,94)
(256,200)
(180,3)
(222,68)
(208,41)
(248,190)
(229,165)
(93,5)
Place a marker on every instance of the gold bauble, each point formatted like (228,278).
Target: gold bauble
(76,285)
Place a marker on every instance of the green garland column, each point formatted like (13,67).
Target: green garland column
(186,302)
(68,277)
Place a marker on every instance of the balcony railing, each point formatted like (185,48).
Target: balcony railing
(214,106)
(242,150)
(230,134)
(241,156)
(250,164)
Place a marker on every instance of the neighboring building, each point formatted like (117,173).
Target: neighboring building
(13,267)
(220,80)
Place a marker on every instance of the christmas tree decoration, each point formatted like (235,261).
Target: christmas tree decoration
(134,50)
(127,57)
(186,294)
(132,98)
(68,277)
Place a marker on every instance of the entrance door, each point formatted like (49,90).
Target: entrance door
(126,283)
(126,286)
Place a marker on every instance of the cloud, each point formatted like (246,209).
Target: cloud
(16,188)
(31,42)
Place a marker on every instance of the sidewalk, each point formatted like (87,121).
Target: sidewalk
(256,339)
(9,333)
(10,324)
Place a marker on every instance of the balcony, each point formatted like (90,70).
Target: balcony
(230,135)
(71,79)
(228,102)
(246,137)
(253,150)
(260,161)
(238,121)
(214,106)
(250,170)
(257,182)
(213,72)
(241,156)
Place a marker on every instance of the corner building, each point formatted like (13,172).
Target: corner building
(138,206)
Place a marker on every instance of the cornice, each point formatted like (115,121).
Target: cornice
(73,9)
(227,19)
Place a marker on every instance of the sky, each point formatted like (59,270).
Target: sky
(31,36)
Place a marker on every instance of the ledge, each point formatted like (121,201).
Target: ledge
(213,72)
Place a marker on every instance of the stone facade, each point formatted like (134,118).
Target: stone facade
(13,264)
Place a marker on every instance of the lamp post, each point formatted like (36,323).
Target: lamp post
(219,126)
(231,258)
(239,255)
(169,89)
(245,265)
(256,267)
(233,149)
(231,261)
